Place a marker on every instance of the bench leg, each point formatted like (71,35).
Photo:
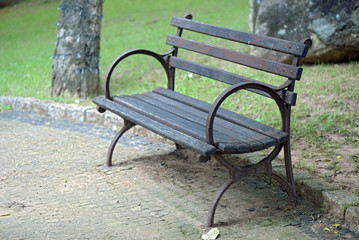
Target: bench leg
(127,125)
(219,194)
(289,172)
(263,167)
(289,188)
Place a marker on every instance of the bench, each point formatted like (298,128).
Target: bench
(207,128)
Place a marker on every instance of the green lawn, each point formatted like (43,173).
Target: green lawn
(328,95)
(28,35)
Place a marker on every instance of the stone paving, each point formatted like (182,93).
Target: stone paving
(53,185)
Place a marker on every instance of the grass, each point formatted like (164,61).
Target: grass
(5,108)
(28,35)
(328,95)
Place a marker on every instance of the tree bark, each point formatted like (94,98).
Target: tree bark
(75,68)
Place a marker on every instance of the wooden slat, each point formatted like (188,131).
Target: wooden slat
(280,45)
(185,140)
(243,136)
(214,73)
(255,140)
(255,62)
(225,114)
(192,126)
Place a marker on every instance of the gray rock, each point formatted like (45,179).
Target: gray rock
(4,101)
(57,110)
(40,107)
(113,121)
(23,104)
(332,25)
(94,117)
(76,113)
(352,218)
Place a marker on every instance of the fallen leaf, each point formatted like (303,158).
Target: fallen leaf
(336,225)
(4,214)
(22,164)
(326,229)
(339,157)
(211,235)
(267,222)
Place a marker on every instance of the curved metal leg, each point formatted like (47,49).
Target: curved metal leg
(289,188)
(288,166)
(263,167)
(289,172)
(219,194)
(127,126)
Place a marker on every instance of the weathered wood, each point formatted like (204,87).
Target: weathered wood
(225,114)
(280,45)
(214,73)
(188,124)
(254,139)
(259,63)
(183,139)
(244,139)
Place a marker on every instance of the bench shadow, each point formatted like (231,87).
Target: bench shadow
(182,167)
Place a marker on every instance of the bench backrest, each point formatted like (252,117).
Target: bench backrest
(290,71)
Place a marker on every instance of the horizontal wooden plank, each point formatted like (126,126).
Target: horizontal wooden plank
(255,62)
(214,73)
(185,140)
(246,140)
(186,123)
(280,45)
(225,114)
(255,140)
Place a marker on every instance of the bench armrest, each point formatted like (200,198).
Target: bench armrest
(159,57)
(235,88)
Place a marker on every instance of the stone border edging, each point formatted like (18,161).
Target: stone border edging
(73,112)
(340,203)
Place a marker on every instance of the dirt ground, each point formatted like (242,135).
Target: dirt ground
(335,156)
(339,166)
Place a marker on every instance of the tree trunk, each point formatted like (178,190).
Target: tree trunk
(75,67)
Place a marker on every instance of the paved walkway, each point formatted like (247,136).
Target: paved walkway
(53,186)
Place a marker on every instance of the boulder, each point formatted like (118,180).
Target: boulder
(333,26)
(8,3)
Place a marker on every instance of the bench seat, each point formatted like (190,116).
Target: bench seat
(182,119)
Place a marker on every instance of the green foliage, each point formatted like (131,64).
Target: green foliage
(5,108)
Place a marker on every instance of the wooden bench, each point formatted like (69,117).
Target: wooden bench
(190,122)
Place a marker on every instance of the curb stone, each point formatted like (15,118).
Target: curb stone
(339,203)
(74,113)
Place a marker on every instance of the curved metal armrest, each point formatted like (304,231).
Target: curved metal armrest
(159,57)
(237,87)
